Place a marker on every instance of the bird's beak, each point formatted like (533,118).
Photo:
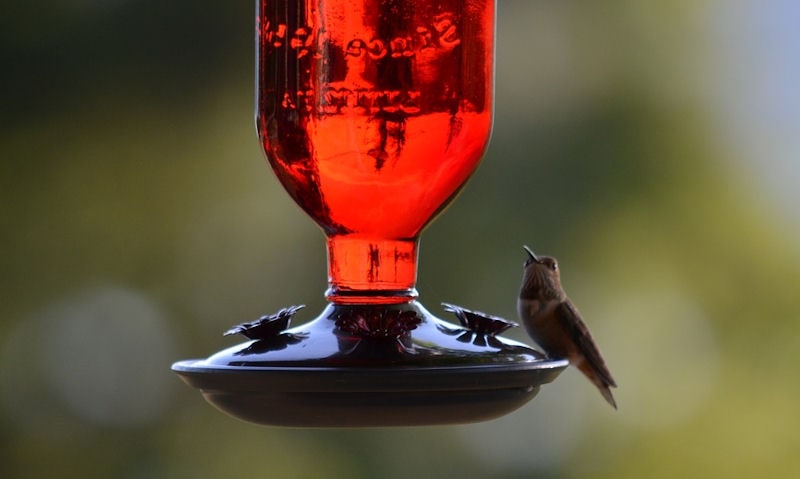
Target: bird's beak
(531,254)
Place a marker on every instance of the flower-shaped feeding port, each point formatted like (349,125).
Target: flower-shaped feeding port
(268,326)
(268,332)
(480,327)
(373,114)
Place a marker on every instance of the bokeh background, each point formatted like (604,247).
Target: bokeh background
(653,147)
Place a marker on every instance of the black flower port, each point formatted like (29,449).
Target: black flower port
(479,322)
(268,326)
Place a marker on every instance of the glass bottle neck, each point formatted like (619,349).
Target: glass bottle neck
(365,270)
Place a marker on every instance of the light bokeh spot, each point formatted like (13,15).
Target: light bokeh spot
(102,355)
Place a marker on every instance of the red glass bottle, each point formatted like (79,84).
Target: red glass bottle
(373,114)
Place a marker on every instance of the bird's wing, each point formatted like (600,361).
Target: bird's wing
(571,321)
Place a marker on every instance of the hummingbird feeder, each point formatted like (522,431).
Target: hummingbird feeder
(373,114)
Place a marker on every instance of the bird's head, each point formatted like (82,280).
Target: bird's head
(545,263)
(541,274)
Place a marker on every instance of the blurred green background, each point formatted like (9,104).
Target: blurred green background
(653,147)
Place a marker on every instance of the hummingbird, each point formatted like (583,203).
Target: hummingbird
(550,318)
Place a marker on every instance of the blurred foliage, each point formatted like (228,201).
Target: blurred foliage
(132,186)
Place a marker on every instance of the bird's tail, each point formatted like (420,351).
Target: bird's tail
(603,384)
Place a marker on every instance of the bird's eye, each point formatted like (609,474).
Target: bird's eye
(554,266)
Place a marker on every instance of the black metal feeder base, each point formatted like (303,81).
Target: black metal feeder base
(371,365)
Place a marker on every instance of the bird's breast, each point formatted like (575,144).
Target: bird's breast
(541,324)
